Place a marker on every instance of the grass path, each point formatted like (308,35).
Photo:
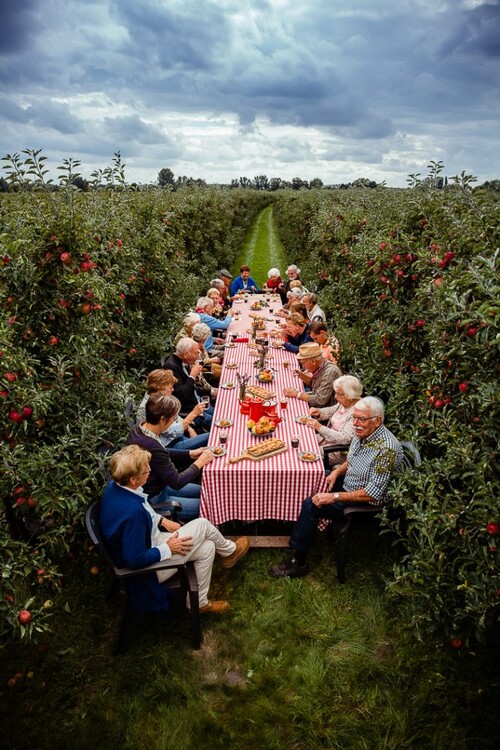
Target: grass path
(262,248)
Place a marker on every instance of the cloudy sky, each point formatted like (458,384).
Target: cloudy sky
(218,89)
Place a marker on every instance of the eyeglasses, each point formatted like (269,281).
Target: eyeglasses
(362,419)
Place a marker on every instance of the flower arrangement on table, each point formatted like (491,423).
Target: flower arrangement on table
(242,385)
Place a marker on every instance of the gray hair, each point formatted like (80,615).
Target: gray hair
(202,302)
(295,292)
(184,345)
(351,386)
(374,404)
(191,319)
(293,267)
(311,297)
(200,332)
(217,284)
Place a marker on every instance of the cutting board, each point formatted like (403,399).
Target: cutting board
(245,455)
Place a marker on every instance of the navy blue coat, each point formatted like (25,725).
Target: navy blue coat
(126,532)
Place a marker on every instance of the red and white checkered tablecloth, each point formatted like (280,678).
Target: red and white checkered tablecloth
(272,488)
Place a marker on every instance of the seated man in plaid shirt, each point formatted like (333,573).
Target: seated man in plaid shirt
(363,478)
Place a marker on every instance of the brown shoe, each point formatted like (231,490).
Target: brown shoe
(242,545)
(215,607)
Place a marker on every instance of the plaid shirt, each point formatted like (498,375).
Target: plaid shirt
(372,463)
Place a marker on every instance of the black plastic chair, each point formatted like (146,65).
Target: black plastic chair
(411,459)
(327,449)
(184,579)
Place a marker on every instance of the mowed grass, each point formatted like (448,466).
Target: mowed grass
(295,664)
(262,249)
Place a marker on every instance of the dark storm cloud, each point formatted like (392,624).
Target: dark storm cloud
(18,24)
(358,70)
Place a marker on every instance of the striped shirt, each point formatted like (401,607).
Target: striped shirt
(372,463)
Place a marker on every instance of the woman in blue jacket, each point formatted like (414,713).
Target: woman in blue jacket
(135,537)
(244,282)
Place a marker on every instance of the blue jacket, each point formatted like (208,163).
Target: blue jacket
(293,343)
(215,324)
(126,532)
(237,284)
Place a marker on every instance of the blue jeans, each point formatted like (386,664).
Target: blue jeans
(190,443)
(188,496)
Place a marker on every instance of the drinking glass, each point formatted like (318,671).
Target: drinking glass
(205,400)
(295,441)
(223,437)
(284,402)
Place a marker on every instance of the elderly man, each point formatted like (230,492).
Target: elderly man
(314,311)
(363,478)
(135,536)
(205,308)
(319,375)
(186,367)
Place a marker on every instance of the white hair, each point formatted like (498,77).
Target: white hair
(374,404)
(200,332)
(273,272)
(203,302)
(350,385)
(191,318)
(295,292)
(184,345)
(293,267)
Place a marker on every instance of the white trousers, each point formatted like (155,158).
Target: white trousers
(206,541)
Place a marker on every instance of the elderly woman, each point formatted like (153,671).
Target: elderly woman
(201,332)
(165,482)
(190,320)
(314,311)
(319,375)
(163,381)
(214,294)
(135,536)
(273,280)
(205,308)
(327,341)
(340,427)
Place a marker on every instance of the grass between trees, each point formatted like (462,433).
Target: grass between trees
(262,249)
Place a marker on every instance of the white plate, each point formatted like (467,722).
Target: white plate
(230,345)
(218,423)
(301,417)
(221,448)
(227,386)
(308,460)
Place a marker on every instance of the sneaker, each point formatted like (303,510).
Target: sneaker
(242,545)
(215,607)
(289,569)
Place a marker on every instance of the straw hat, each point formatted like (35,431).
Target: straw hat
(309,351)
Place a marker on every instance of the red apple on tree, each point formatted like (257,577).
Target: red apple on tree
(24,616)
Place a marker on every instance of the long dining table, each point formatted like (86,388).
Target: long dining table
(273,487)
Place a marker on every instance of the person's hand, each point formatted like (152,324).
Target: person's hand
(314,412)
(322,498)
(314,424)
(214,360)
(197,411)
(302,375)
(191,432)
(169,525)
(205,458)
(331,479)
(180,545)
(196,452)
(196,370)
(290,392)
